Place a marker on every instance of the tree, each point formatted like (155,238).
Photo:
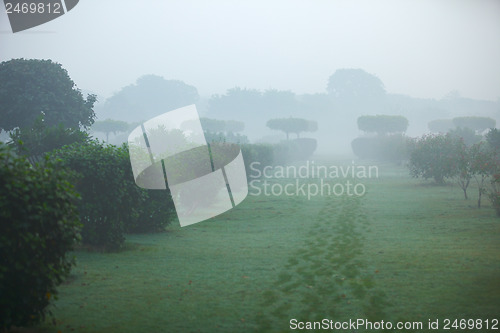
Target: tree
(383,124)
(493,139)
(39,226)
(482,166)
(463,162)
(150,96)
(441,125)
(292,125)
(30,88)
(110,126)
(355,84)
(434,156)
(40,139)
(478,124)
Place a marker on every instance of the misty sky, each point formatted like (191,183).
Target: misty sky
(419,48)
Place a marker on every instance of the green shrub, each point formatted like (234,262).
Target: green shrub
(112,204)
(109,195)
(38,226)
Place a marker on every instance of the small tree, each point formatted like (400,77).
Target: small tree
(478,124)
(434,156)
(292,125)
(482,166)
(110,126)
(463,166)
(383,124)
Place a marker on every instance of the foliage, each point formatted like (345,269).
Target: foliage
(30,88)
(482,166)
(110,126)
(383,124)
(434,156)
(39,225)
(40,139)
(262,153)
(150,96)
(441,125)
(292,125)
(478,124)
(493,139)
(348,83)
(111,202)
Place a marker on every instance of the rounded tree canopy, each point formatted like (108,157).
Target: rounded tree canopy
(292,125)
(475,123)
(383,124)
(349,83)
(30,88)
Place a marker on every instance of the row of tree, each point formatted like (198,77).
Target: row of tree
(444,156)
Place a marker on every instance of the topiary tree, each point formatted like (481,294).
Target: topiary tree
(478,124)
(110,126)
(38,226)
(30,88)
(383,124)
(292,125)
(441,125)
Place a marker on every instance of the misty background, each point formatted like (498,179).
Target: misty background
(328,61)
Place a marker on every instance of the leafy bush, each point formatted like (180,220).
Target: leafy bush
(112,203)
(435,156)
(40,139)
(38,226)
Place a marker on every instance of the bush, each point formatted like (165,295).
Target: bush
(108,197)
(112,203)
(38,226)
(435,156)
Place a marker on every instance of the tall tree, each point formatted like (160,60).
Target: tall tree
(30,88)
(150,96)
(355,84)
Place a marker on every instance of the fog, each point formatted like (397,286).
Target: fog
(436,59)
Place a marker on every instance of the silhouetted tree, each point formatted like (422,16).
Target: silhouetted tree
(292,125)
(33,88)
(150,96)
(110,126)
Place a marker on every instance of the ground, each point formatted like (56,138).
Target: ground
(407,250)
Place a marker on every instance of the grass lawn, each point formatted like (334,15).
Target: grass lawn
(407,250)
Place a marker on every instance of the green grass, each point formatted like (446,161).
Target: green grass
(407,250)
